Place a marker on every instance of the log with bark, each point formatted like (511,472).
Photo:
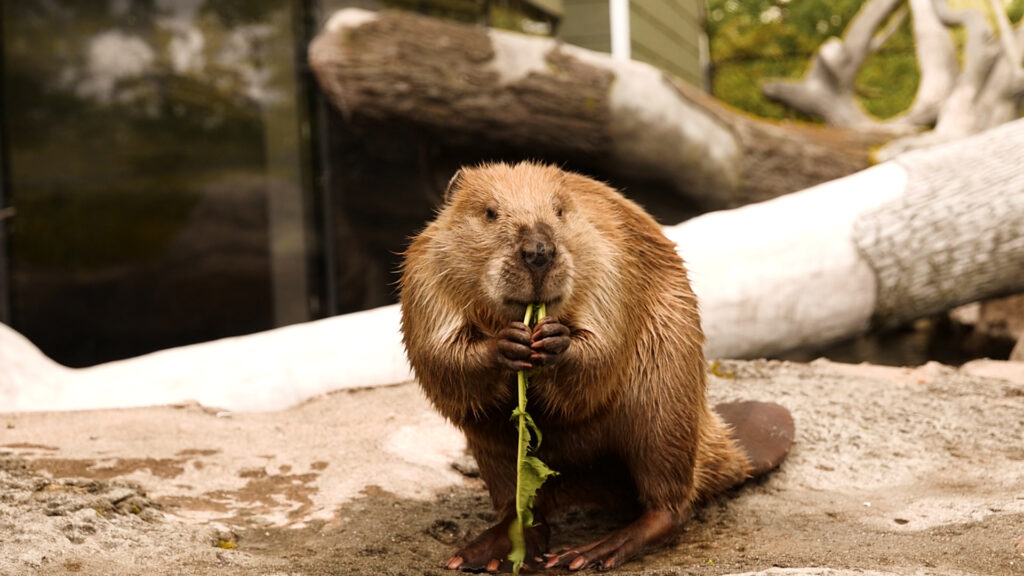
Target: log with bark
(906,239)
(468,85)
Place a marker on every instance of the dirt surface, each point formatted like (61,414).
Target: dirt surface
(894,471)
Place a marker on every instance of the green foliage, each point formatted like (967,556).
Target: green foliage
(738,83)
(768,29)
(887,83)
(1015,10)
(752,41)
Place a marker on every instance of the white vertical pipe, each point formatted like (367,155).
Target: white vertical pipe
(618,11)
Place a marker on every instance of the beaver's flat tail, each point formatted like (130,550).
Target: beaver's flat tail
(763,429)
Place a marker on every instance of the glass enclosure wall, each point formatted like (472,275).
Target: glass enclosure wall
(157,158)
(171,174)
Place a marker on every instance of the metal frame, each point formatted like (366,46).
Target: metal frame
(324,287)
(5,213)
(6,210)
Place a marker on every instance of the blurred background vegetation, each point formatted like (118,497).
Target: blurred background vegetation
(756,40)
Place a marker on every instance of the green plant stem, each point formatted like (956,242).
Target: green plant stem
(516,534)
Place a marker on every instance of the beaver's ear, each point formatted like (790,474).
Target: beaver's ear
(453,185)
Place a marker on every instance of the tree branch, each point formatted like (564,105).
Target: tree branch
(891,27)
(860,34)
(1006,34)
(984,95)
(827,90)
(936,59)
(977,51)
(1011,47)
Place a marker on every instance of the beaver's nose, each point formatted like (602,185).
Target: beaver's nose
(536,248)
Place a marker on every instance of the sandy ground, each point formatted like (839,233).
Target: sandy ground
(894,471)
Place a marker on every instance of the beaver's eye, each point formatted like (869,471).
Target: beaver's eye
(491,214)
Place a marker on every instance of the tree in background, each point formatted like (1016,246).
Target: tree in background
(754,41)
(901,66)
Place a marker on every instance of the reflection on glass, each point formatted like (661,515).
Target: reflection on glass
(156,166)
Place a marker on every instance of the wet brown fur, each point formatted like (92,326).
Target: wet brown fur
(630,389)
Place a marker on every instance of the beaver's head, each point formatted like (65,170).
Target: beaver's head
(507,235)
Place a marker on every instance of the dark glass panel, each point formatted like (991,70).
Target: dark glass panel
(156,164)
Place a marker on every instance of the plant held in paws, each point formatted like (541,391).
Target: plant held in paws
(530,471)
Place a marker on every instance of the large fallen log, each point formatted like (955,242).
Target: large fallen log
(268,370)
(925,233)
(472,86)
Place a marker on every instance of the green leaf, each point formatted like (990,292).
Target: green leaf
(532,474)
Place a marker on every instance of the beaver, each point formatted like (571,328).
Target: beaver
(618,374)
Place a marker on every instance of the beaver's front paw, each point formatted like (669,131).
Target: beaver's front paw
(510,348)
(548,341)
